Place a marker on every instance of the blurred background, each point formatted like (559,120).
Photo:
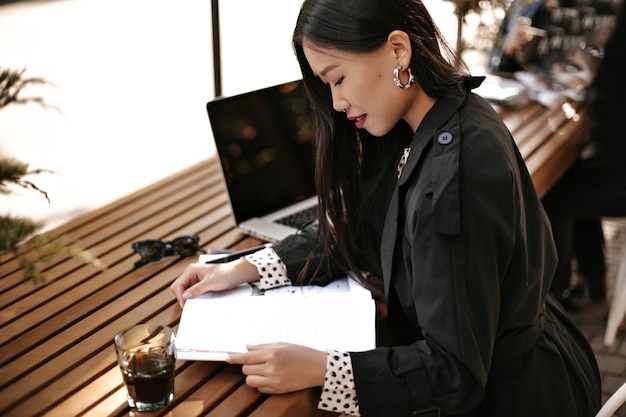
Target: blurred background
(130,80)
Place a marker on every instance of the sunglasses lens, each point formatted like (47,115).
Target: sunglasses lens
(154,250)
(186,245)
(150,250)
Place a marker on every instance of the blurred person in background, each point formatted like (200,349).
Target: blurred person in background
(595,186)
(565,43)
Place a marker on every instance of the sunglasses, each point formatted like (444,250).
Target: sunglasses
(154,250)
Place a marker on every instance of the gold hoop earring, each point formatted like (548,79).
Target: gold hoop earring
(396,77)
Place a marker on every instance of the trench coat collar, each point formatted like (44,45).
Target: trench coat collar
(439,115)
(436,117)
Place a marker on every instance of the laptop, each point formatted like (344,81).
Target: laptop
(264,140)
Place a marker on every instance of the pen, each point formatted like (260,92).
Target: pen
(220,251)
(238,254)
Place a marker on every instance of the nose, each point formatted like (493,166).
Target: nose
(340,104)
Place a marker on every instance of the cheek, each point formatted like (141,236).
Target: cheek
(381,119)
(387,112)
(384,96)
(377,91)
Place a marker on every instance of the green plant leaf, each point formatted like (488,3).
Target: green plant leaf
(17,234)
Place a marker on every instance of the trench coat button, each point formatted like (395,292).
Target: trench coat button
(444,138)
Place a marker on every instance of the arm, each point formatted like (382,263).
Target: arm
(278,368)
(199,278)
(292,252)
(295,250)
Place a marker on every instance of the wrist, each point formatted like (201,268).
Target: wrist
(244,271)
(322,362)
(315,365)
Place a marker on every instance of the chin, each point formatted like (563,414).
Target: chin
(376,133)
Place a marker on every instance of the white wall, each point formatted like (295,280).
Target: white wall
(256,43)
(256,40)
(132,78)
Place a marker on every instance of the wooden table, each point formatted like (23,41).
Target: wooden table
(550,140)
(56,340)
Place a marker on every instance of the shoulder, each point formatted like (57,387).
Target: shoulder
(488,152)
(480,122)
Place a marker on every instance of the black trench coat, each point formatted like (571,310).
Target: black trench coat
(467,258)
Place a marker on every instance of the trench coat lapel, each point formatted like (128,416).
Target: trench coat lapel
(427,132)
(388,240)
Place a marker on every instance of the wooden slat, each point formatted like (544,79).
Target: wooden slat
(515,119)
(292,404)
(239,403)
(556,155)
(531,129)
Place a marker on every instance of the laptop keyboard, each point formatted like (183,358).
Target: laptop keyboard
(300,218)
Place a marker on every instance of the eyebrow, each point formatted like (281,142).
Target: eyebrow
(328,68)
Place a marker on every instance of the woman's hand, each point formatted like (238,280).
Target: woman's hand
(278,368)
(199,278)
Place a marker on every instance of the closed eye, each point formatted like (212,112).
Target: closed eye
(339,81)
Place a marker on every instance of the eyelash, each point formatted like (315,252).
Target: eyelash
(327,86)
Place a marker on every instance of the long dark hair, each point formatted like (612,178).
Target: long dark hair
(345,156)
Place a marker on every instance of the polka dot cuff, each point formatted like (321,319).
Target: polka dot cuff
(339,393)
(272,271)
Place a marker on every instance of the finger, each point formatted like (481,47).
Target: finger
(236,358)
(178,288)
(184,281)
(261,383)
(254,369)
(199,284)
(194,291)
(252,348)
(245,358)
(264,385)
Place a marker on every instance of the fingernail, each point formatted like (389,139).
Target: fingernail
(186,295)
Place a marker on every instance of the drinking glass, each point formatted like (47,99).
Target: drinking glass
(147,357)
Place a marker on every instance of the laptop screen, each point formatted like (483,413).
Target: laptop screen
(264,140)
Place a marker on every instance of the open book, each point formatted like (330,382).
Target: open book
(339,316)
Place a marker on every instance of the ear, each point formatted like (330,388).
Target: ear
(400,44)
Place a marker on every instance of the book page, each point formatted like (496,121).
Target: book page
(340,317)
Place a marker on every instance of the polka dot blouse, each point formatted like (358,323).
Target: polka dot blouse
(272,271)
(338,392)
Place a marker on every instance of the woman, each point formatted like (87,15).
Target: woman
(420,184)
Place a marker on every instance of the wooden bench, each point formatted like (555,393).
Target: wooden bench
(56,340)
